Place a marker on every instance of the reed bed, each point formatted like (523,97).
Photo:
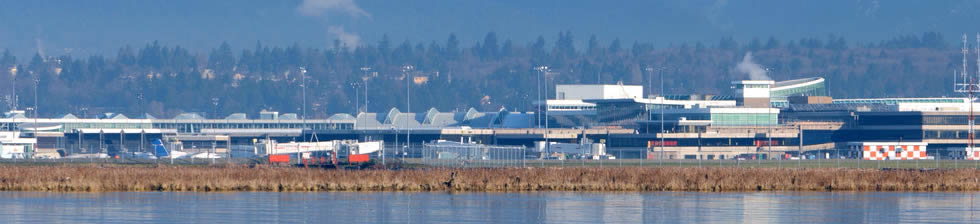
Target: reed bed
(243,178)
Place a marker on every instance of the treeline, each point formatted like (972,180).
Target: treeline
(491,74)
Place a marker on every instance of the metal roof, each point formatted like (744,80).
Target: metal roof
(811,80)
(341,117)
(189,116)
(289,116)
(237,116)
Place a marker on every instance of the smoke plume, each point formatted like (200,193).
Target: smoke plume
(350,40)
(749,67)
(39,47)
(316,8)
(319,7)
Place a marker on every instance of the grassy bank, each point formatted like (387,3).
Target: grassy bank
(93,178)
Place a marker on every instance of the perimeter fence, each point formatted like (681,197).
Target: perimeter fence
(472,155)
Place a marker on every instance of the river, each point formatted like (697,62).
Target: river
(441,207)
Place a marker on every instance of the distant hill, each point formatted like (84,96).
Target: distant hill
(492,74)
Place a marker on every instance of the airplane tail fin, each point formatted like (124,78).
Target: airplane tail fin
(159,149)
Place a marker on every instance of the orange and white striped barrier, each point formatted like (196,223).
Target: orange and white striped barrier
(891,150)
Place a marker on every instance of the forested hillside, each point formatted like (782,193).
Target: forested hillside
(494,73)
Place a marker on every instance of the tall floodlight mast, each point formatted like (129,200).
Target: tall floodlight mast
(544,70)
(302,71)
(365,78)
(407,69)
(13,88)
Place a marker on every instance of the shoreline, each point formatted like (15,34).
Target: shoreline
(95,178)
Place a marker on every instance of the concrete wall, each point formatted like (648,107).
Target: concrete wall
(754,102)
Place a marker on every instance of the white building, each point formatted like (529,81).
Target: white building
(587,92)
(12,146)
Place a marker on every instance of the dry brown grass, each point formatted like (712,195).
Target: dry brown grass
(241,178)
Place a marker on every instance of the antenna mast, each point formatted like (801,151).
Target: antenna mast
(969,86)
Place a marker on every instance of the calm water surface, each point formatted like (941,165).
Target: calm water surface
(549,207)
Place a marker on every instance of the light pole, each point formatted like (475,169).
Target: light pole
(544,70)
(663,101)
(37,82)
(537,84)
(302,71)
(769,121)
(649,70)
(407,69)
(13,88)
(357,98)
(7,99)
(214,101)
(365,79)
(139,96)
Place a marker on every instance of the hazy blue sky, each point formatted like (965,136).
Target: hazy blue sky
(85,27)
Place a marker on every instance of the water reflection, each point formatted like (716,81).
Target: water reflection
(550,207)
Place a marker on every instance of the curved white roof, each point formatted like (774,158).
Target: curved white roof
(796,83)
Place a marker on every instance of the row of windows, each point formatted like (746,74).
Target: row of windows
(913,120)
(69,126)
(810,90)
(556,107)
(946,134)
(196,127)
(752,86)
(743,119)
(779,104)
(644,142)
(665,106)
(690,117)
(896,101)
(621,112)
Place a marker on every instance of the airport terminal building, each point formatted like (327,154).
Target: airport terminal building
(760,119)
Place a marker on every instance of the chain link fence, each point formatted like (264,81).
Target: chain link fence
(466,155)
(463,155)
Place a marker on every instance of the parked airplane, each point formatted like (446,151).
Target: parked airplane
(161,151)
